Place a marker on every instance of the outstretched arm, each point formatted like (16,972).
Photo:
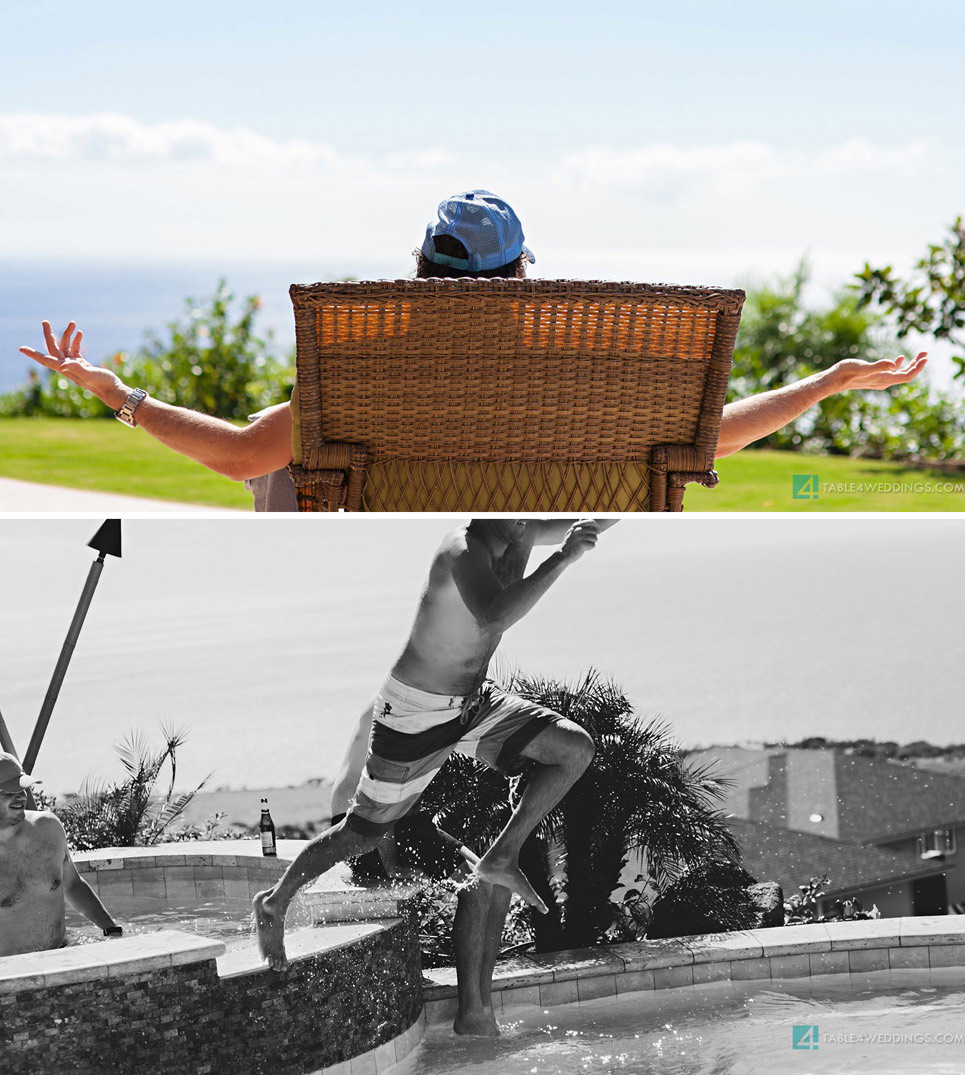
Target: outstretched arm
(237,452)
(496,607)
(747,420)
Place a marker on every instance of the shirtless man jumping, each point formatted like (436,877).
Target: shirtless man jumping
(36,873)
(437,699)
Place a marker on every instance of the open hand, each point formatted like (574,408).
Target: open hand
(580,538)
(64,357)
(854,373)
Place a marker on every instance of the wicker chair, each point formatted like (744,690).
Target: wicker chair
(508,395)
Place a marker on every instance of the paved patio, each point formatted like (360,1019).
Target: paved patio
(32,497)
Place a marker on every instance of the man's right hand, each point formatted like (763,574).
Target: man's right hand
(64,357)
(580,538)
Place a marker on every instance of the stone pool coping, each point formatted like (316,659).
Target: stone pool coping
(857,947)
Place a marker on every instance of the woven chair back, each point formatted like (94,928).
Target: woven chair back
(508,395)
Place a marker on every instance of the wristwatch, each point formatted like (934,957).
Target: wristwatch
(114,931)
(126,413)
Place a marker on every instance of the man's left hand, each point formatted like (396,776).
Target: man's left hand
(855,373)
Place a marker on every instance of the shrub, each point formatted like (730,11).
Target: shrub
(781,340)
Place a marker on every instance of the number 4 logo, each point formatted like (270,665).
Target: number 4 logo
(805,486)
(804,1037)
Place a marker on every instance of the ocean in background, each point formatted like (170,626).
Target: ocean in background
(115,304)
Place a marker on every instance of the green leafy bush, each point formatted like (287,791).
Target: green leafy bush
(933,301)
(781,340)
(211,360)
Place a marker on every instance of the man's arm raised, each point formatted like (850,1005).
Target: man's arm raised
(496,607)
(553,531)
(747,420)
(236,452)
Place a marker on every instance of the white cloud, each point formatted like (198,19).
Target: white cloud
(109,186)
(114,138)
(662,163)
(857,154)
(664,168)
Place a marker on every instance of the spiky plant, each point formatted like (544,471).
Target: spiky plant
(130,813)
(636,794)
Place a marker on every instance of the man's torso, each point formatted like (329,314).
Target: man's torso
(31,887)
(448,651)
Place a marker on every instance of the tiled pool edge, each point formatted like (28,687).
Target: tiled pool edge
(384,1056)
(780,952)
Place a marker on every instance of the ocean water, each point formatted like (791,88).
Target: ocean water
(115,304)
(265,638)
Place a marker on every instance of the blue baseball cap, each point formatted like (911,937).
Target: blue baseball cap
(485,225)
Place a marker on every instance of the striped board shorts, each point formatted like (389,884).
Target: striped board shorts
(413,733)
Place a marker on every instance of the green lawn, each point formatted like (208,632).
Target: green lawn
(765,481)
(103,454)
(96,454)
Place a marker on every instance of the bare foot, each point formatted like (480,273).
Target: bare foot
(511,877)
(481,1023)
(270,929)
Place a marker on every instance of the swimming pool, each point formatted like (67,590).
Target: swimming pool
(906,1022)
(355,1000)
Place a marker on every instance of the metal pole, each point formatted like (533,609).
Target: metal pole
(6,743)
(60,671)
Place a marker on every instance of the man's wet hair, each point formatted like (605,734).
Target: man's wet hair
(452,248)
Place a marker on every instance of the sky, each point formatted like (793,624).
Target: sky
(697,142)
(263,639)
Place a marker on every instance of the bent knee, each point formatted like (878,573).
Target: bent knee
(584,748)
(572,745)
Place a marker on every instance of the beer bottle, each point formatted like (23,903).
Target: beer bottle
(267,831)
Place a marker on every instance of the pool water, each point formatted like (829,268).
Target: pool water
(233,927)
(726,1028)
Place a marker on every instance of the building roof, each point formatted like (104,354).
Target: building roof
(883,800)
(876,801)
(792,858)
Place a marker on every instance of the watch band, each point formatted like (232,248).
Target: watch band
(126,413)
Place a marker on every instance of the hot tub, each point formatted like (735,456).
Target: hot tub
(177,1001)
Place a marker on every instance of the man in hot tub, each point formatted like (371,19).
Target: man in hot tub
(36,873)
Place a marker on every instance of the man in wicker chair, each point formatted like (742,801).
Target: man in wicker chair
(437,700)
(477,234)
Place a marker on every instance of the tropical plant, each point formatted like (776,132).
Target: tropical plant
(802,908)
(130,813)
(933,302)
(636,794)
(211,360)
